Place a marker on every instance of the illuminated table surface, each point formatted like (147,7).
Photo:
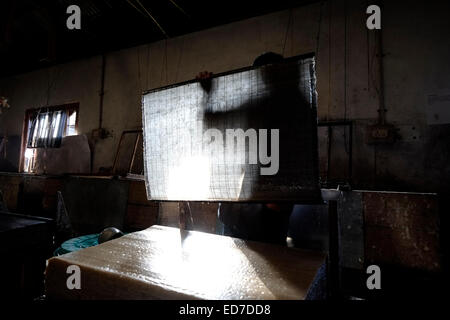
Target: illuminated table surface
(164,263)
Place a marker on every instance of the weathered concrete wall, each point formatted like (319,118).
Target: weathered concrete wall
(417,48)
(415,65)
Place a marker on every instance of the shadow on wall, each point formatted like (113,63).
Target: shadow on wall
(9,153)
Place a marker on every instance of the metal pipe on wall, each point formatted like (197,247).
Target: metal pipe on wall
(102,92)
(98,133)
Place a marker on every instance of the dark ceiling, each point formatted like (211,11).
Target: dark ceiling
(34,33)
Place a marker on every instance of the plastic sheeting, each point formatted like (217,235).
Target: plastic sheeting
(164,263)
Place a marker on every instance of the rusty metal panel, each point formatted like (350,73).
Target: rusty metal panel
(189,155)
(402,229)
(351,230)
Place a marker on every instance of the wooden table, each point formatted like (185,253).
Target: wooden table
(166,263)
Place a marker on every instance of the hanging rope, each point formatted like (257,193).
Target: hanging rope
(287,31)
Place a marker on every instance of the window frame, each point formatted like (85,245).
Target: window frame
(68,107)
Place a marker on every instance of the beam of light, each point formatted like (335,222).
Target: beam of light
(44,131)
(71,130)
(192,265)
(29,153)
(56,124)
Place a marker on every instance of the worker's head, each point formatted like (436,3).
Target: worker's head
(276,76)
(267,58)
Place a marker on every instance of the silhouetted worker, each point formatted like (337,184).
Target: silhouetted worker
(281,105)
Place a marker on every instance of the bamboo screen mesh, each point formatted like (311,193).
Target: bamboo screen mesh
(200,141)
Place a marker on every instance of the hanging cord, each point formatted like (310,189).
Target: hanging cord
(164,65)
(179,60)
(167,62)
(48,87)
(319,29)
(36,124)
(139,70)
(51,81)
(287,31)
(148,69)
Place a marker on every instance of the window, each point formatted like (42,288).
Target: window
(45,128)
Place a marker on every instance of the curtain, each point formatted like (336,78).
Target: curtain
(47,129)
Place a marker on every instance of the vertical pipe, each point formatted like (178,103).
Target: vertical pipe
(330,136)
(102,91)
(100,117)
(381,75)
